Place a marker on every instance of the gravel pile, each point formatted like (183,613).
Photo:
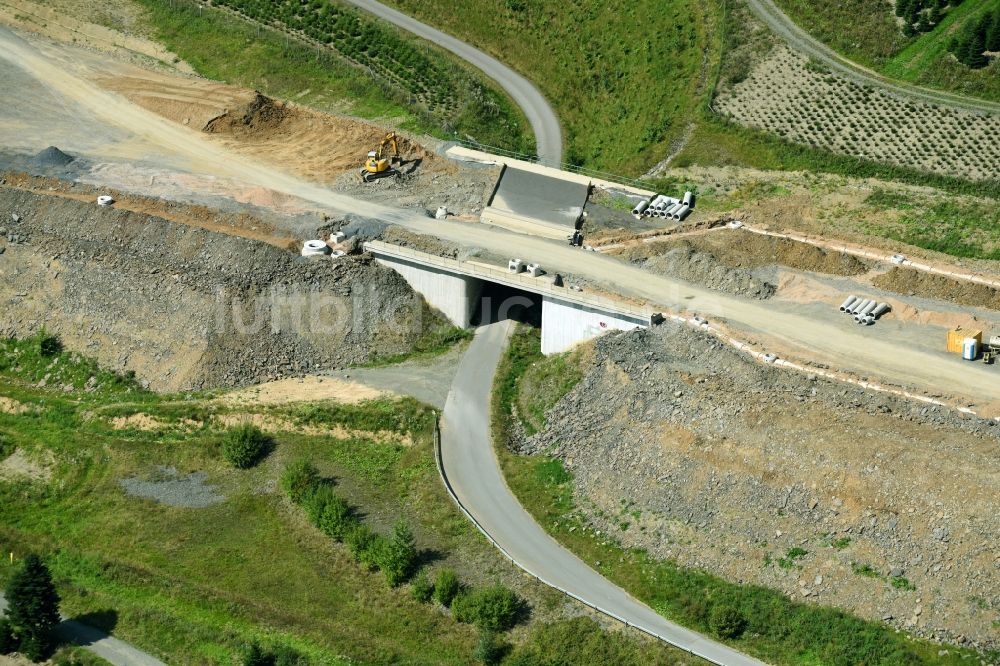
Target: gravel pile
(680,445)
(186,308)
(51,157)
(168,487)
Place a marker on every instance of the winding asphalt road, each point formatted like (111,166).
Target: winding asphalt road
(106,647)
(472,468)
(543,119)
(802,41)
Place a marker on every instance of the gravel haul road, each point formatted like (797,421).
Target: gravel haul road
(541,116)
(854,349)
(474,472)
(110,649)
(801,41)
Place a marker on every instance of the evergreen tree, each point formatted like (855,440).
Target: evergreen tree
(974,57)
(33,607)
(911,17)
(934,16)
(993,31)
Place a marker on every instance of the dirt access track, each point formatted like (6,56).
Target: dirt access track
(72,79)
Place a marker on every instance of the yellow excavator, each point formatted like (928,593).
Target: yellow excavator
(378,165)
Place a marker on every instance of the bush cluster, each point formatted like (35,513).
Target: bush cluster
(395,555)
(245,446)
(280,655)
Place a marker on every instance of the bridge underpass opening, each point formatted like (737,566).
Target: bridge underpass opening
(500,302)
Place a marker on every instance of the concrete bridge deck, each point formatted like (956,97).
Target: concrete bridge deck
(455,287)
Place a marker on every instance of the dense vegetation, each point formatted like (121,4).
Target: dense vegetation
(977,36)
(921,41)
(335,54)
(758,620)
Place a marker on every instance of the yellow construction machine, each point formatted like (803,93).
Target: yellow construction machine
(378,165)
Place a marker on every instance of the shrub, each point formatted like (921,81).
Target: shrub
(36,646)
(298,479)
(286,656)
(365,545)
(254,655)
(446,587)
(489,649)
(8,643)
(726,621)
(49,345)
(423,588)
(463,607)
(398,555)
(336,518)
(245,446)
(494,608)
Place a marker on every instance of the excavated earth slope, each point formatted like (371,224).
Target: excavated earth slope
(188,308)
(726,464)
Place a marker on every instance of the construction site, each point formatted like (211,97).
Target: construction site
(766,393)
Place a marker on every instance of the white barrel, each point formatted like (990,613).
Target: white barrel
(970,349)
(847,303)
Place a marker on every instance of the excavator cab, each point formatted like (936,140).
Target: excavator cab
(377,165)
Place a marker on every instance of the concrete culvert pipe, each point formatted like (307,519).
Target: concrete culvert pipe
(880,310)
(848,302)
(314,248)
(640,208)
(105,200)
(856,307)
(682,212)
(688,199)
(669,212)
(868,308)
(659,202)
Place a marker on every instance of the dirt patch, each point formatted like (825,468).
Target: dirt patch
(927,285)
(167,486)
(147,422)
(18,466)
(272,423)
(306,389)
(313,145)
(11,406)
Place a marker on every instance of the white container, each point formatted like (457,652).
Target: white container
(442,213)
(970,349)
(104,200)
(515,266)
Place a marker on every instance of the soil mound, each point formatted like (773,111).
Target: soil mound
(52,157)
(926,285)
(261,116)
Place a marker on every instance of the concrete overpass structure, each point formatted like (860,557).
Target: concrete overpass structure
(455,288)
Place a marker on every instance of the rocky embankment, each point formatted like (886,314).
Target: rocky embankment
(883,507)
(187,308)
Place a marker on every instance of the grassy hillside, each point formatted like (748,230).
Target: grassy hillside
(195,585)
(625,76)
(870,34)
(324,56)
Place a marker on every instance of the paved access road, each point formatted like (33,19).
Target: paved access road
(802,41)
(543,119)
(474,473)
(104,646)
